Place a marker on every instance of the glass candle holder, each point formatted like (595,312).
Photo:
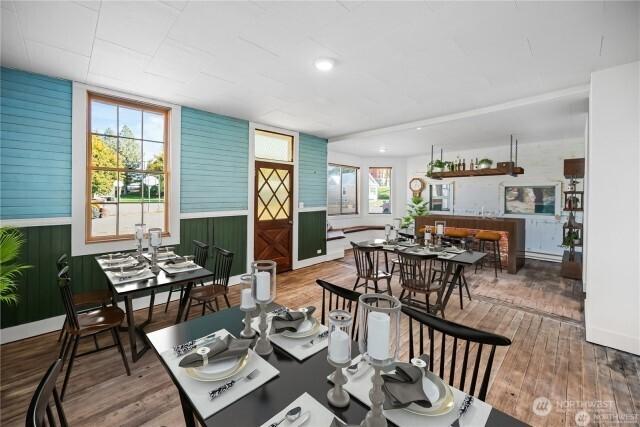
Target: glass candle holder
(141,229)
(387,232)
(155,240)
(263,288)
(379,328)
(340,324)
(379,342)
(247,304)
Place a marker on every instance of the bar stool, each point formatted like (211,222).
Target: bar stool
(492,238)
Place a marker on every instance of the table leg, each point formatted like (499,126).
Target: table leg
(131,328)
(187,411)
(452,285)
(386,262)
(183,302)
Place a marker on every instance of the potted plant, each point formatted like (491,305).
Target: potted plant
(416,207)
(11,241)
(485,163)
(437,166)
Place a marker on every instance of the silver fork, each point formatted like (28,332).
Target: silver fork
(466,404)
(226,386)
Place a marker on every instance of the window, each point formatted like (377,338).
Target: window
(273,146)
(440,197)
(127,144)
(342,189)
(380,190)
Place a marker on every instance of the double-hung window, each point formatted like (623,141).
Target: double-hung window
(342,189)
(127,168)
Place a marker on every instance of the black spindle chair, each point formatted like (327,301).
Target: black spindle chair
(338,298)
(208,294)
(86,324)
(416,278)
(200,256)
(471,341)
(40,406)
(367,267)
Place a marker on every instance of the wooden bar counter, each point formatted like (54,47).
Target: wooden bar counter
(512,230)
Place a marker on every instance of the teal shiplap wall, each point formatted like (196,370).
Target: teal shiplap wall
(214,162)
(312,173)
(35,146)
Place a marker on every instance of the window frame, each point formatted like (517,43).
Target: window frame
(89,168)
(291,142)
(357,169)
(390,190)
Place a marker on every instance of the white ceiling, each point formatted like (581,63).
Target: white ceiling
(561,118)
(396,62)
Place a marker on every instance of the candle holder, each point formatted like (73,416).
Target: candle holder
(339,355)
(155,241)
(248,305)
(387,232)
(263,290)
(139,234)
(379,342)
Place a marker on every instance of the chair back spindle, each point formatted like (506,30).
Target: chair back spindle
(453,339)
(64,283)
(62,261)
(40,406)
(200,253)
(339,298)
(223,260)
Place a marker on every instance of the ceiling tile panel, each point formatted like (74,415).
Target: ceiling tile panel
(59,62)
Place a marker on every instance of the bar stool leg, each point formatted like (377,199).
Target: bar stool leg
(495,261)
(499,256)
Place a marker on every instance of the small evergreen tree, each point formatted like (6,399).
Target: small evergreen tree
(415,208)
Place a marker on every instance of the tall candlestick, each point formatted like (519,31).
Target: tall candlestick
(378,326)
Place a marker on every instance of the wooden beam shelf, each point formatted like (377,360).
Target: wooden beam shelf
(478,172)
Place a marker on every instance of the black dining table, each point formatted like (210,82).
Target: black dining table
(129,290)
(261,404)
(454,266)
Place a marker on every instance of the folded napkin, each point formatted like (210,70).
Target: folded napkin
(220,349)
(290,320)
(177,260)
(404,387)
(129,269)
(117,255)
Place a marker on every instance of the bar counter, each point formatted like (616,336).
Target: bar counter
(512,243)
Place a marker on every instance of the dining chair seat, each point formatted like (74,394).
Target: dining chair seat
(205,293)
(418,286)
(98,320)
(208,295)
(92,298)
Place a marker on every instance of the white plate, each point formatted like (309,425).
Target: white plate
(129,274)
(181,265)
(307,328)
(439,394)
(219,370)
(117,261)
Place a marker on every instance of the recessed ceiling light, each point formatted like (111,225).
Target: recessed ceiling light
(325,64)
(418,128)
(382,150)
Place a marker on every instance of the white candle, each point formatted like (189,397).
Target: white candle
(339,346)
(378,327)
(427,236)
(139,232)
(440,229)
(246,300)
(263,286)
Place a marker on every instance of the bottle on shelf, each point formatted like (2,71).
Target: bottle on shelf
(471,164)
(464,164)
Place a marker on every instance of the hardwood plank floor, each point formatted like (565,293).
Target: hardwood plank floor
(538,310)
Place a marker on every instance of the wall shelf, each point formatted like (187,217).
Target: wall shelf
(478,172)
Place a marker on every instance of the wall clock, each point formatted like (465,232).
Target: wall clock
(416,185)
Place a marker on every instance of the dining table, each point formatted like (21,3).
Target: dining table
(294,378)
(127,291)
(454,262)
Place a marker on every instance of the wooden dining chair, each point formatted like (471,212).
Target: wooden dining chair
(200,256)
(40,406)
(367,260)
(338,298)
(454,339)
(208,294)
(84,300)
(86,324)
(416,278)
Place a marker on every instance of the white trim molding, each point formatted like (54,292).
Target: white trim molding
(35,222)
(79,246)
(317,209)
(214,214)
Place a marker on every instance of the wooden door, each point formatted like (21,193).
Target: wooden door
(273,236)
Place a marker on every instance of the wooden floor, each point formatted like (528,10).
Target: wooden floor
(541,313)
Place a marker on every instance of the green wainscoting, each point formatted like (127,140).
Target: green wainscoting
(38,290)
(312,234)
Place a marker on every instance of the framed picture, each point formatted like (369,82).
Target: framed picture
(531,199)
